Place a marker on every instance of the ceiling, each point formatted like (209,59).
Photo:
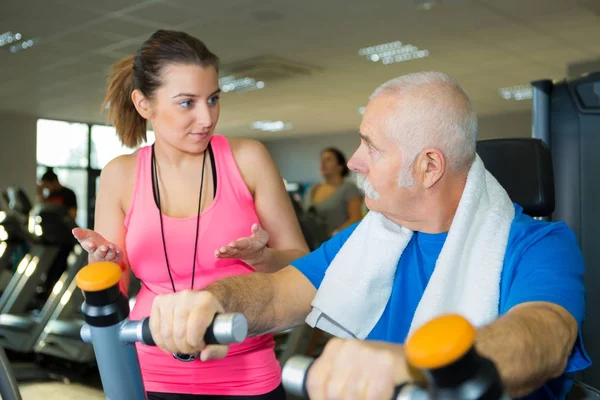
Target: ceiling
(485,44)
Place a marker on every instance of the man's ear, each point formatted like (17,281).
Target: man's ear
(142,104)
(431,166)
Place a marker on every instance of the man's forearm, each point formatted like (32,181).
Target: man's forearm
(252,295)
(529,346)
(274,260)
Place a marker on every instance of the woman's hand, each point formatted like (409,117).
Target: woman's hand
(98,247)
(251,249)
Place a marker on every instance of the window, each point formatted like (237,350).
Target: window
(106,145)
(62,144)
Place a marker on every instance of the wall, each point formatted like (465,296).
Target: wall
(18,152)
(505,125)
(298,158)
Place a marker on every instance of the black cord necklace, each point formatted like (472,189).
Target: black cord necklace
(156,192)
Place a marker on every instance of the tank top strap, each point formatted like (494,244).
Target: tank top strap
(143,197)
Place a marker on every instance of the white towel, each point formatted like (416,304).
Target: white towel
(466,278)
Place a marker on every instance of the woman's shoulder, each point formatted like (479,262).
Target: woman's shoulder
(246,148)
(121,165)
(253,160)
(248,153)
(119,173)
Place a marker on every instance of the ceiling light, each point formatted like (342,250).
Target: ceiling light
(233,84)
(426,5)
(8,37)
(27,44)
(520,92)
(393,52)
(271,126)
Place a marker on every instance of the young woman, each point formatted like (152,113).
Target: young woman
(193,208)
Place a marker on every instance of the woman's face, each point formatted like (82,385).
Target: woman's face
(185,109)
(329,165)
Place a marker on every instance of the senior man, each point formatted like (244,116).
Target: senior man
(441,236)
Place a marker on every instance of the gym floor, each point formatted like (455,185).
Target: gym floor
(59,391)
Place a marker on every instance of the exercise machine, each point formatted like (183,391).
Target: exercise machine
(13,244)
(41,278)
(114,336)
(9,390)
(61,335)
(444,351)
(14,237)
(566,117)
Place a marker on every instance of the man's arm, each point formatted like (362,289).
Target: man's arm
(270,302)
(530,345)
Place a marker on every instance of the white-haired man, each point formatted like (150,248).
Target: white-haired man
(441,236)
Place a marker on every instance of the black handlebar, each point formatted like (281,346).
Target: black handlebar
(295,372)
(224,329)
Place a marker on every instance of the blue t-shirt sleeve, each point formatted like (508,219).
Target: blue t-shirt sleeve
(315,264)
(551,269)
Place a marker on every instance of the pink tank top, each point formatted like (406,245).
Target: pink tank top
(251,367)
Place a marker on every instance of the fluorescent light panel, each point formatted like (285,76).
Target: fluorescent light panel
(8,38)
(271,126)
(233,84)
(23,45)
(393,52)
(519,92)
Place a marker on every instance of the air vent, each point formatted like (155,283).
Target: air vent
(268,69)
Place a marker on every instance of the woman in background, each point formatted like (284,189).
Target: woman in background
(336,201)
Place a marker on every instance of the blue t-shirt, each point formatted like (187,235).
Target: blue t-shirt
(542,262)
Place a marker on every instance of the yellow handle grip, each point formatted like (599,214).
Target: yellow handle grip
(440,342)
(98,276)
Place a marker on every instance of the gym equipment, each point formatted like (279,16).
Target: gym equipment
(17,200)
(53,250)
(13,244)
(9,390)
(61,336)
(114,336)
(566,116)
(523,166)
(14,237)
(444,351)
(313,229)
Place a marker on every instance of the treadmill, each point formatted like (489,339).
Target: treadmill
(14,237)
(61,336)
(11,241)
(41,278)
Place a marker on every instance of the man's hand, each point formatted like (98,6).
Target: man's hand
(179,321)
(353,369)
(250,249)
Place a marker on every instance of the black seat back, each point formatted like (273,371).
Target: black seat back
(523,166)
